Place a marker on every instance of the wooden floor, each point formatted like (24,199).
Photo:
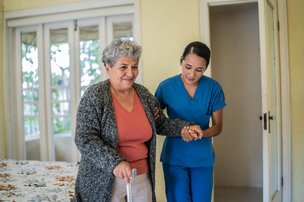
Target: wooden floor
(233,194)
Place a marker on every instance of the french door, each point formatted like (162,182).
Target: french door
(55,63)
(272,173)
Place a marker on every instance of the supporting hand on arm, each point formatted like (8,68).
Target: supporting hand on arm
(192,132)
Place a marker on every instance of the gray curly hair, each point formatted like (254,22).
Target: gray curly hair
(119,48)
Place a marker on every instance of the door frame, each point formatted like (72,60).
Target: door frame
(284,78)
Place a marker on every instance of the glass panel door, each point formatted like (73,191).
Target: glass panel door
(59,90)
(30,94)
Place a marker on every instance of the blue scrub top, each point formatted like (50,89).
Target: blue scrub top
(208,97)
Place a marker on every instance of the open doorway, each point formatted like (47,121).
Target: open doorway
(234,31)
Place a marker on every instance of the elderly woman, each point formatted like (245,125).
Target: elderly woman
(117,123)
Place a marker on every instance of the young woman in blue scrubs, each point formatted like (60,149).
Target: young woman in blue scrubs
(193,97)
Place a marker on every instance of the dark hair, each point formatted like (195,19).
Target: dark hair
(198,48)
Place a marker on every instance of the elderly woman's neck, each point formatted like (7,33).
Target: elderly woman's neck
(122,93)
(125,98)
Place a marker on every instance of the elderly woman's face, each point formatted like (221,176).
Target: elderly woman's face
(123,73)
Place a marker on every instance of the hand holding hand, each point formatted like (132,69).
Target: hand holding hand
(123,171)
(193,132)
(186,136)
(196,129)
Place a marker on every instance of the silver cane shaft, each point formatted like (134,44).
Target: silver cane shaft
(129,186)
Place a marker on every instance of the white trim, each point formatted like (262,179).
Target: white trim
(19,139)
(63,8)
(205,23)
(75,154)
(285,93)
(277,111)
(137,21)
(229,2)
(73,88)
(42,112)
(137,34)
(264,96)
(70,16)
(103,43)
(47,86)
(9,96)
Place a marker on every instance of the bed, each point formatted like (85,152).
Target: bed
(37,180)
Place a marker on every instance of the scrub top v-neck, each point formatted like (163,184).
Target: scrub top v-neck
(208,97)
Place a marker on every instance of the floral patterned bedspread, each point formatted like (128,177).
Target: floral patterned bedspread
(37,180)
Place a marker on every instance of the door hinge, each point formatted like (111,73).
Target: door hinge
(282,181)
(278,25)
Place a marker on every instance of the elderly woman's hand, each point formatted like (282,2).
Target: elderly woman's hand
(123,171)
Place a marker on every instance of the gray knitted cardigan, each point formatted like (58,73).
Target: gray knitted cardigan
(97,140)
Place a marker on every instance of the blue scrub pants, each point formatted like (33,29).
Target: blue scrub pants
(184,184)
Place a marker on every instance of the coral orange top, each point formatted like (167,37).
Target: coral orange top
(134,130)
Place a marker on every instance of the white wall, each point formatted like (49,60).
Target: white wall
(235,64)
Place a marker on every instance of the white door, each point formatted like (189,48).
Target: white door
(270,89)
(270,71)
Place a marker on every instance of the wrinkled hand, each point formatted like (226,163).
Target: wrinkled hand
(193,132)
(123,171)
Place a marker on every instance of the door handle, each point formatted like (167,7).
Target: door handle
(264,118)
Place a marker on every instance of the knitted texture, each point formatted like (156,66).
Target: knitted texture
(97,140)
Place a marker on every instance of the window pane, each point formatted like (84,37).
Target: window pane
(90,72)
(123,30)
(62,125)
(61,94)
(32,143)
(61,108)
(30,95)
(31,126)
(29,60)
(30,109)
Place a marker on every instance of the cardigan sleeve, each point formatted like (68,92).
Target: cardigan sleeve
(167,126)
(89,132)
(164,125)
